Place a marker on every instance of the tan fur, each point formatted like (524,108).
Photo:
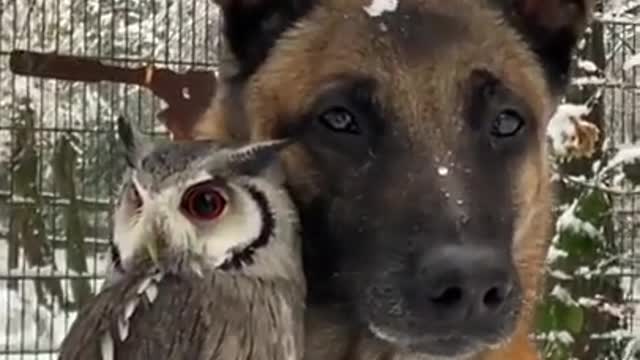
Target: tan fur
(336,39)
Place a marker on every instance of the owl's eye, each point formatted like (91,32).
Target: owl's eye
(134,197)
(203,202)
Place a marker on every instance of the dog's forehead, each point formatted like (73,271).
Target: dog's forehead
(416,30)
(420,54)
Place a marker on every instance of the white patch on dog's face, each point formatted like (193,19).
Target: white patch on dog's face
(401,340)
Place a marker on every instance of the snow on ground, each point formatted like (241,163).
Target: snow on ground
(26,325)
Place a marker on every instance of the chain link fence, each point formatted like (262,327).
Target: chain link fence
(621,100)
(59,163)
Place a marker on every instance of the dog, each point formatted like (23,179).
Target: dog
(420,166)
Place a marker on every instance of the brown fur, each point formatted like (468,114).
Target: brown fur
(421,55)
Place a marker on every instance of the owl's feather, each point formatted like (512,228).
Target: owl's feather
(219,284)
(221,316)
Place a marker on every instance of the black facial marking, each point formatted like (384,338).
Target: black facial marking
(344,120)
(321,254)
(115,256)
(501,119)
(244,256)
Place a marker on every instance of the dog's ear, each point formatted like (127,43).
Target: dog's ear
(251,28)
(552,28)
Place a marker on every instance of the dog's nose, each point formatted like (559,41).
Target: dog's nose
(467,285)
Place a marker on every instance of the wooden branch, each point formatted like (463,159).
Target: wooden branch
(187,94)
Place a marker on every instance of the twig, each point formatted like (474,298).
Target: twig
(594,186)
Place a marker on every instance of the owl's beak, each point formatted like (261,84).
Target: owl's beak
(152,249)
(152,244)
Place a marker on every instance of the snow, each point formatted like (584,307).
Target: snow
(557,336)
(587,65)
(28,325)
(555,254)
(378,7)
(561,130)
(631,62)
(559,275)
(627,153)
(588,80)
(632,348)
(568,221)
(588,302)
(563,295)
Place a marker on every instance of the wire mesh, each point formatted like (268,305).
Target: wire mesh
(55,220)
(622,114)
(59,164)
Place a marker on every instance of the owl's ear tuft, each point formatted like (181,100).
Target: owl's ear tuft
(260,159)
(135,144)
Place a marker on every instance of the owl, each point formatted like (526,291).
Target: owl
(206,258)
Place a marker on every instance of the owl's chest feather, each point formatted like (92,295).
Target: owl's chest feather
(185,316)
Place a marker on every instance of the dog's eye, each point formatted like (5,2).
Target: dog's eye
(340,119)
(508,123)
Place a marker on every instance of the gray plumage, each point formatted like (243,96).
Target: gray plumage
(188,281)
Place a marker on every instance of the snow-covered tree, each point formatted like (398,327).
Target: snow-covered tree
(584,314)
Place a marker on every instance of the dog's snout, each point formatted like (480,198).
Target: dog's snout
(465,285)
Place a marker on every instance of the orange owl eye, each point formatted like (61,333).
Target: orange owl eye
(203,202)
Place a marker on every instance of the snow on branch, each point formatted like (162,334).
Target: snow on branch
(626,154)
(568,221)
(631,62)
(571,135)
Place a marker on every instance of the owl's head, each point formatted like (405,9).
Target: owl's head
(222,204)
